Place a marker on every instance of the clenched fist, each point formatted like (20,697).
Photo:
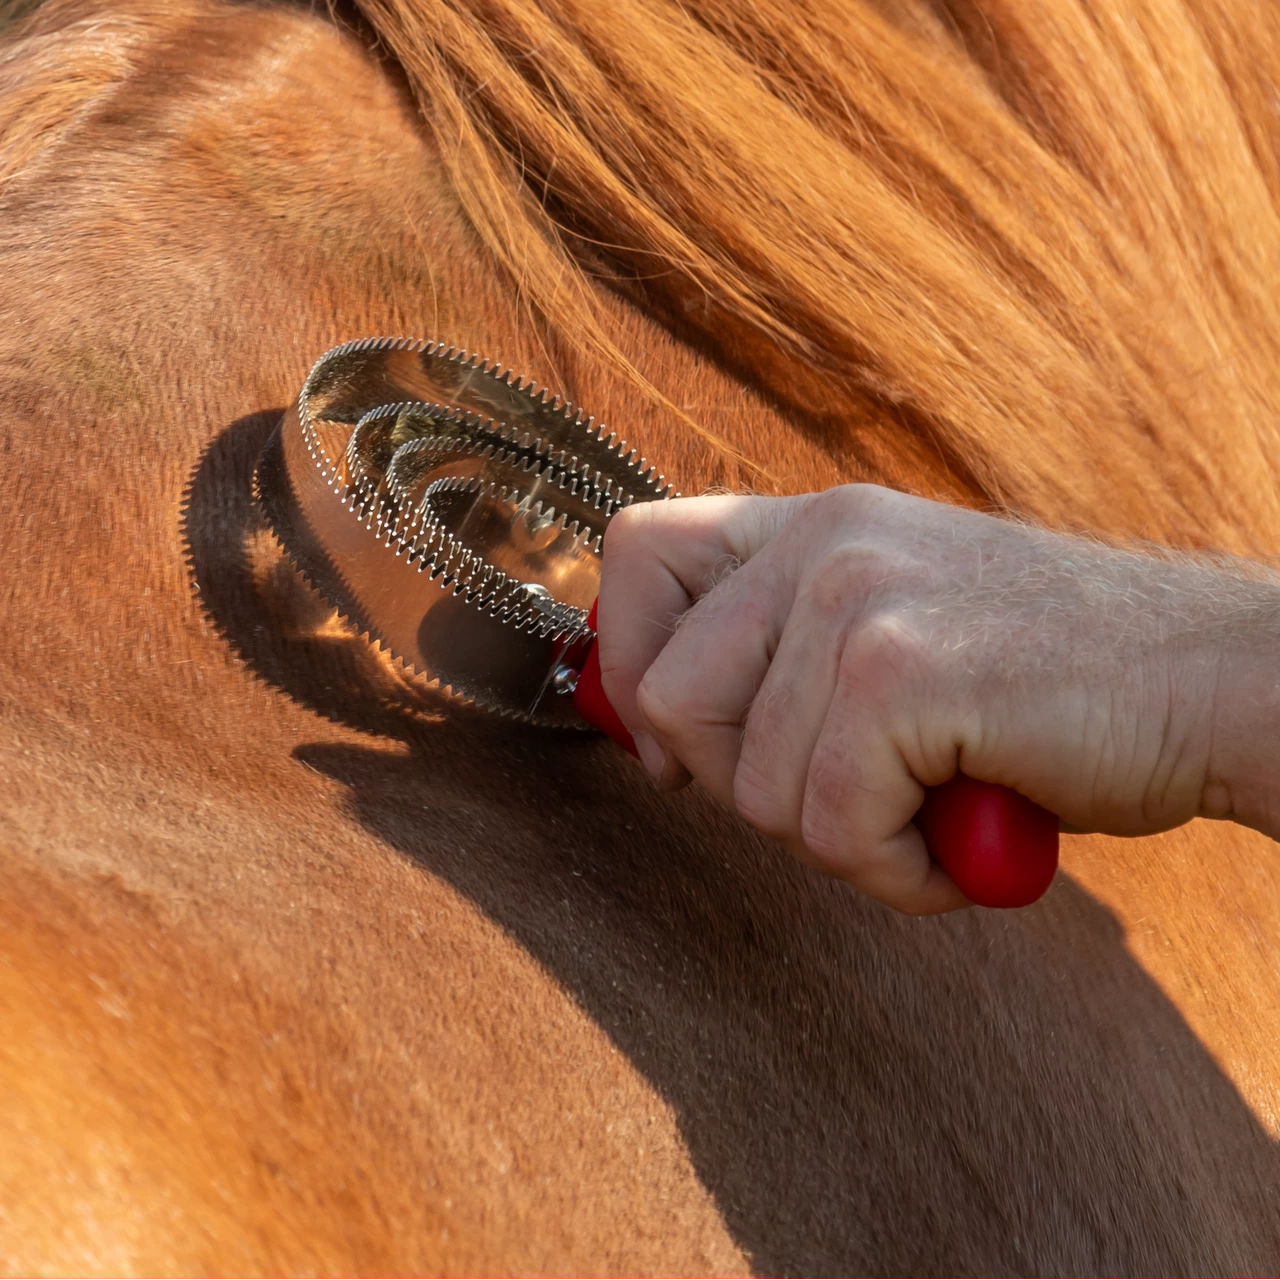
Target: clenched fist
(815,662)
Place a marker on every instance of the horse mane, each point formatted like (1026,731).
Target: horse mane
(1033,238)
(309,979)
(1024,242)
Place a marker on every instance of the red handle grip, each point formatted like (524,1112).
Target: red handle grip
(589,698)
(1000,848)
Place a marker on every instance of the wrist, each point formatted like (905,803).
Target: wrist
(1242,780)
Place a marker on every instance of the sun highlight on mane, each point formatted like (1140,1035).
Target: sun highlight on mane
(305,970)
(1019,234)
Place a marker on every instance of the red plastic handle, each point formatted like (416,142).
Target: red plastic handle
(1000,848)
(588,695)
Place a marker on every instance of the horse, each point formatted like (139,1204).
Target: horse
(305,967)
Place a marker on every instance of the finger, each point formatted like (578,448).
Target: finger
(791,705)
(695,694)
(860,799)
(659,558)
(788,712)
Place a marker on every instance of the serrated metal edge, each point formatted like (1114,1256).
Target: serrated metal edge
(644,476)
(329,590)
(422,538)
(384,521)
(479,576)
(442,557)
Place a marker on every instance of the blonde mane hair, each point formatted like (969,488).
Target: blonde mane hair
(1036,238)
(301,976)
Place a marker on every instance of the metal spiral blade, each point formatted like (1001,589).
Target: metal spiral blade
(451,512)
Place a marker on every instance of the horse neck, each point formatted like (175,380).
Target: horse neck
(537,1010)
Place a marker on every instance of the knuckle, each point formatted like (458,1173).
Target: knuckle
(627,530)
(746,611)
(885,653)
(843,579)
(858,504)
(822,838)
(824,817)
(660,704)
(761,792)
(850,499)
(758,799)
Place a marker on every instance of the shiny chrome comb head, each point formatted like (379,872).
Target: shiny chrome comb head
(452,512)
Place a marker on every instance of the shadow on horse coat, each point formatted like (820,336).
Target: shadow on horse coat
(332,982)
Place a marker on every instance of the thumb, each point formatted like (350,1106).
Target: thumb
(659,559)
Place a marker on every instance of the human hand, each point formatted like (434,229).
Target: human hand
(815,662)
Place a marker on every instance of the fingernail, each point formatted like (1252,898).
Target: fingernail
(651,755)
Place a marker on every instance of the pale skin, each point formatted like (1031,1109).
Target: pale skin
(814,662)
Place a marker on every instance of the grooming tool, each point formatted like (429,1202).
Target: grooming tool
(456,513)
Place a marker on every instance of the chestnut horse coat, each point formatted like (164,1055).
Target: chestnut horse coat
(305,971)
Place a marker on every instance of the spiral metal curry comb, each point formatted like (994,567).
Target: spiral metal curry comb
(455,513)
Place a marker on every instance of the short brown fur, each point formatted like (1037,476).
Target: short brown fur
(301,971)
